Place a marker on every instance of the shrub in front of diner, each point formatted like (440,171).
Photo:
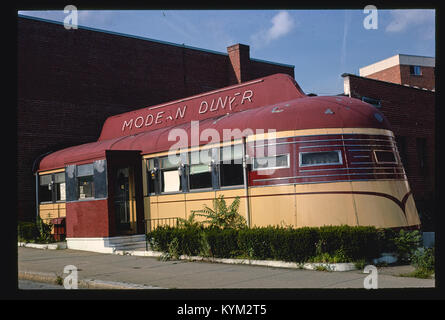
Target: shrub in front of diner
(34,232)
(224,234)
(348,243)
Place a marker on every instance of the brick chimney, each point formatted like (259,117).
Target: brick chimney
(239,56)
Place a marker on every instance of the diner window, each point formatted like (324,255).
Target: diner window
(320,158)
(45,188)
(271,162)
(200,174)
(151,176)
(52,187)
(231,166)
(385,157)
(85,181)
(59,186)
(170,177)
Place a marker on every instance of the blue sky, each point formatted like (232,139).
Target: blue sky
(321,44)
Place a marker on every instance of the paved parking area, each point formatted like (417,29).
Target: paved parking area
(201,275)
(34,285)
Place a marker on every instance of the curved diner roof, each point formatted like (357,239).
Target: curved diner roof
(301,112)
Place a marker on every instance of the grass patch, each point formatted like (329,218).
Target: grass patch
(420,273)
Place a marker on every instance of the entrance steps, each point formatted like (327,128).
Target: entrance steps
(107,244)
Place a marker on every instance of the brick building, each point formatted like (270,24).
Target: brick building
(408,102)
(70,81)
(415,71)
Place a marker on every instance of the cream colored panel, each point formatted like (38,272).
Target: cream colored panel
(322,187)
(197,201)
(153,202)
(314,210)
(268,207)
(379,212)
(411,212)
(170,206)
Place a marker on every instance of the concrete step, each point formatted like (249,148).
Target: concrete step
(107,244)
(130,245)
(116,241)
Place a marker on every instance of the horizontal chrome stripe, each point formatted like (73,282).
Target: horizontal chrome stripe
(329,175)
(359,150)
(348,145)
(359,162)
(323,181)
(361,168)
(326,140)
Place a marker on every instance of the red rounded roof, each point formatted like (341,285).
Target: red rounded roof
(297,114)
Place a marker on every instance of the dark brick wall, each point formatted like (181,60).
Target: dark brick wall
(411,113)
(70,81)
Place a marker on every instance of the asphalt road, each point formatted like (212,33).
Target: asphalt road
(201,275)
(34,285)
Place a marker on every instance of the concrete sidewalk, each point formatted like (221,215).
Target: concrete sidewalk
(148,271)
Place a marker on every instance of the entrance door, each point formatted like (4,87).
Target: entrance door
(123,201)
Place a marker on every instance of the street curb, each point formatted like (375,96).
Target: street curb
(339,267)
(49,246)
(83,283)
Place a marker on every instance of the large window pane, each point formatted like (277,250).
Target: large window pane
(60,186)
(85,181)
(200,170)
(231,166)
(170,178)
(85,187)
(320,158)
(45,192)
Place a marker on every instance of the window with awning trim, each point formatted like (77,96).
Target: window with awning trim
(320,158)
(86,181)
(211,168)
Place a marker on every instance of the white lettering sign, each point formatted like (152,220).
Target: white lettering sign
(215,104)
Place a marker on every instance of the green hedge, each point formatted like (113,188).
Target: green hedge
(27,231)
(221,243)
(356,242)
(189,239)
(275,243)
